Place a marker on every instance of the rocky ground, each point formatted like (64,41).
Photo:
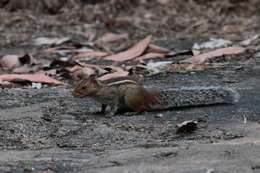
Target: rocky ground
(47,130)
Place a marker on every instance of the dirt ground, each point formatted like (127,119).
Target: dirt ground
(48,130)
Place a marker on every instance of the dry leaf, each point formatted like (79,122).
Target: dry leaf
(62,49)
(89,65)
(114,75)
(90,35)
(133,52)
(157,49)
(81,72)
(90,54)
(12,61)
(41,78)
(49,41)
(150,56)
(202,58)
(116,72)
(26,69)
(111,37)
(99,69)
(232,29)
(19,64)
(9,61)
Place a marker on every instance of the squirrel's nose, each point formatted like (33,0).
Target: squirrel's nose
(75,94)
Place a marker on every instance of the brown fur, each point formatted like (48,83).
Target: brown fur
(122,92)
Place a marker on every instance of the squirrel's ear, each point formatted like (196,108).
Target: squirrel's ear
(92,77)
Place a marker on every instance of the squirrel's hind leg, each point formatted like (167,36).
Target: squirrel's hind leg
(112,111)
(123,109)
(102,111)
(103,108)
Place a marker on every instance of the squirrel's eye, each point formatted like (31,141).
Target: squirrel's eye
(84,88)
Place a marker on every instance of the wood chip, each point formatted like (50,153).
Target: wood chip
(202,58)
(114,75)
(157,49)
(41,78)
(133,52)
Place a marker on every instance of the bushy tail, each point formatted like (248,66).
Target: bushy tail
(196,96)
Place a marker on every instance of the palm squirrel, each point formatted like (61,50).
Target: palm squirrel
(124,94)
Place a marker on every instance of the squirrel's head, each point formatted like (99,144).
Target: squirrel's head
(87,87)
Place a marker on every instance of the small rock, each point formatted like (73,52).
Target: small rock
(36,85)
(212,44)
(210,170)
(257,55)
(187,127)
(158,115)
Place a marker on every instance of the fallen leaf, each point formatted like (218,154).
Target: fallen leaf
(90,54)
(81,72)
(40,78)
(60,49)
(26,69)
(150,56)
(133,52)
(112,37)
(18,63)
(9,61)
(49,41)
(231,29)
(157,49)
(12,61)
(114,75)
(90,65)
(90,35)
(202,58)
(99,69)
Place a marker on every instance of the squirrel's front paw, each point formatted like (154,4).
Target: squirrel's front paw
(109,115)
(98,113)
